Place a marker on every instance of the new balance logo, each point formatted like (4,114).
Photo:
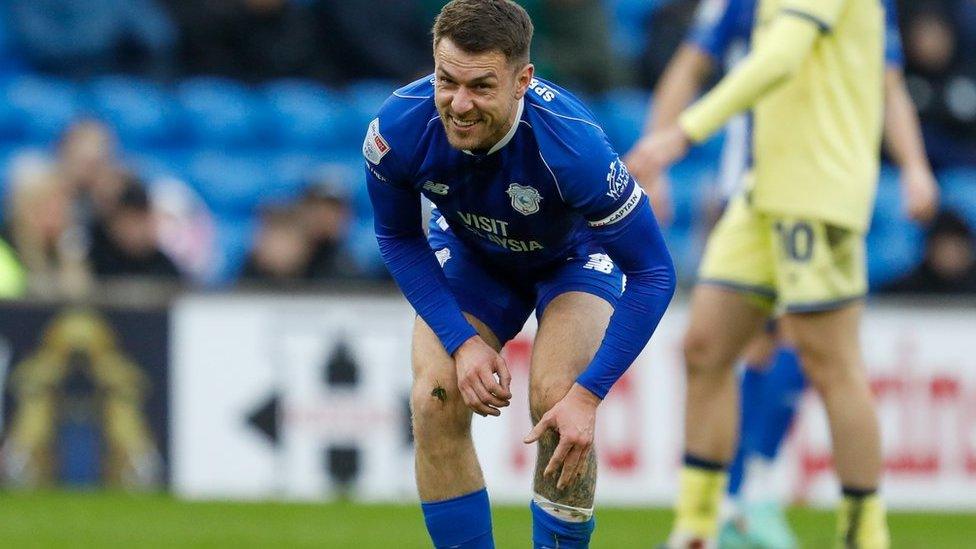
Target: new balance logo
(436,188)
(600,262)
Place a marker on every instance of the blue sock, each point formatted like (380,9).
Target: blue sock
(463,522)
(548,532)
(782,390)
(751,423)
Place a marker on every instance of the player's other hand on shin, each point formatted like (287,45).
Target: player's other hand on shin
(920,194)
(574,419)
(483,377)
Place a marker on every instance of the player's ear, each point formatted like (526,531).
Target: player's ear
(522,79)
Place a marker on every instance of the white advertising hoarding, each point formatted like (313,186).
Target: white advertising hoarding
(306,398)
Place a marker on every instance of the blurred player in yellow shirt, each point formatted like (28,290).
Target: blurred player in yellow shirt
(794,240)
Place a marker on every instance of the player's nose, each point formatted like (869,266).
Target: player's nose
(462,102)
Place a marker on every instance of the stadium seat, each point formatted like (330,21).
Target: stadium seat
(959,192)
(685,251)
(629,19)
(141,112)
(363,101)
(892,253)
(361,242)
(622,114)
(691,183)
(223,113)
(232,185)
(308,115)
(888,202)
(41,107)
(235,237)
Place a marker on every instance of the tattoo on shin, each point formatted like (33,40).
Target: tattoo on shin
(578,494)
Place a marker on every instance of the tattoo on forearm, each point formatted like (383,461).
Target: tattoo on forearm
(577,494)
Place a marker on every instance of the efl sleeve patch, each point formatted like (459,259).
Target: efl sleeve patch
(375,147)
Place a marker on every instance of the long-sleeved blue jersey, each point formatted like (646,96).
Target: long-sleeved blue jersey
(552,189)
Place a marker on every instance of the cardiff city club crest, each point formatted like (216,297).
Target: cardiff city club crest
(525,200)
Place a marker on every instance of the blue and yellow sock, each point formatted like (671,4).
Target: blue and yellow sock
(463,522)
(701,484)
(549,532)
(862,521)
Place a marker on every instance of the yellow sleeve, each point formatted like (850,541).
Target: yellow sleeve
(823,13)
(781,54)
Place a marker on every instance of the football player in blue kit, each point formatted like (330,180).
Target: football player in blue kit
(534,211)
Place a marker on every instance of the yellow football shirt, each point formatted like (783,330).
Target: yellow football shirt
(818,135)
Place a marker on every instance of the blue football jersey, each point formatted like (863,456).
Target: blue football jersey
(531,201)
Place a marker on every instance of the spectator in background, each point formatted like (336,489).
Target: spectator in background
(949,266)
(125,239)
(80,38)
(51,246)
(325,214)
(88,166)
(282,250)
(941,78)
(251,40)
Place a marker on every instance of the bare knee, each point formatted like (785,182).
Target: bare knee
(438,412)
(703,356)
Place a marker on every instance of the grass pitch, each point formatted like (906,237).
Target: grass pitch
(108,520)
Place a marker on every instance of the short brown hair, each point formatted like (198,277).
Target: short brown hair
(478,26)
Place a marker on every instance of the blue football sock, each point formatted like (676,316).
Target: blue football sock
(463,522)
(751,423)
(782,389)
(548,532)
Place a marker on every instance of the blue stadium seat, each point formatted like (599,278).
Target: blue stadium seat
(231,185)
(141,112)
(223,113)
(307,115)
(42,107)
(152,164)
(685,251)
(364,249)
(893,253)
(959,192)
(235,237)
(629,19)
(888,203)
(622,114)
(691,183)
(363,102)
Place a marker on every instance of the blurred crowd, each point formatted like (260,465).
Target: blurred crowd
(75,213)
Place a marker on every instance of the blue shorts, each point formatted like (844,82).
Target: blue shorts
(504,300)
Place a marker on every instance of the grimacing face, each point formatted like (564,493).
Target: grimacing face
(476,94)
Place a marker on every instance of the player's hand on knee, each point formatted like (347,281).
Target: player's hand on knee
(483,377)
(574,419)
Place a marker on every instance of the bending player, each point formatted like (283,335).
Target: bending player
(535,211)
(773,379)
(794,239)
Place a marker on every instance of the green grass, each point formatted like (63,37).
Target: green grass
(107,520)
